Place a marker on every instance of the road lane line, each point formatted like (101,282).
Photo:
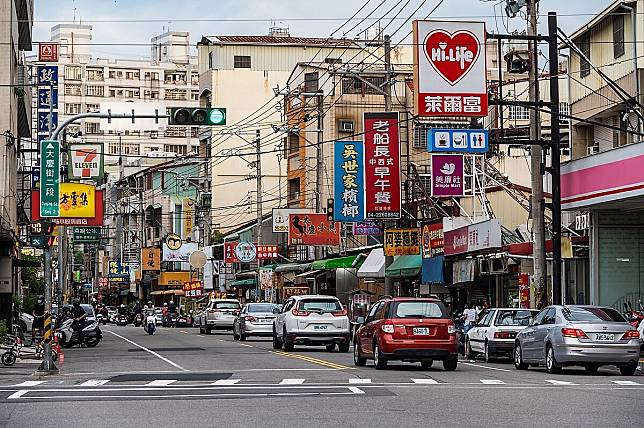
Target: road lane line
(492,382)
(484,367)
(359,380)
(292,381)
(425,381)
(161,357)
(94,382)
(625,382)
(311,360)
(184,332)
(243,344)
(161,382)
(560,382)
(17,394)
(226,382)
(30,383)
(356,390)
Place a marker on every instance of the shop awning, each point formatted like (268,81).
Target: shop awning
(162,292)
(249,274)
(244,283)
(268,267)
(405,267)
(432,271)
(374,265)
(309,273)
(293,267)
(337,263)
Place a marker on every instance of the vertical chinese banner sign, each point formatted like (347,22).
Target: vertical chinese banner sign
(382,166)
(348,175)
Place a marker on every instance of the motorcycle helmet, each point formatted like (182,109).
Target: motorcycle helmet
(172,302)
(76,303)
(165,304)
(149,303)
(122,305)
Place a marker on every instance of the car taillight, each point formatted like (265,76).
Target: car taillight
(299,313)
(387,328)
(451,329)
(504,335)
(631,334)
(210,310)
(341,313)
(573,332)
(250,318)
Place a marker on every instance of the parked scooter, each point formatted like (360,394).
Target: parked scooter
(150,325)
(138,319)
(67,336)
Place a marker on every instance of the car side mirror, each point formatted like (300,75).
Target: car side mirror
(472,323)
(360,320)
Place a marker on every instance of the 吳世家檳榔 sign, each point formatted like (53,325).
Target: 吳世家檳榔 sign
(402,242)
(349,192)
(450,68)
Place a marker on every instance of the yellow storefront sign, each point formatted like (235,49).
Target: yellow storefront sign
(77,200)
(174,278)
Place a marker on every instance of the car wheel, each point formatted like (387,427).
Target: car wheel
(469,354)
(426,364)
(358,359)
(551,362)
(330,347)
(379,360)
(450,364)
(488,357)
(591,368)
(288,344)
(344,346)
(277,344)
(518,358)
(628,369)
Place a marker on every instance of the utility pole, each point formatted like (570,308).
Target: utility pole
(537,212)
(319,156)
(389,282)
(259,186)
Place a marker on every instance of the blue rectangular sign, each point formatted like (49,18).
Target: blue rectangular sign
(47,75)
(348,189)
(43,121)
(457,140)
(47,97)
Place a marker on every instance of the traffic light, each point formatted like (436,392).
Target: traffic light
(329,209)
(197,116)
(48,228)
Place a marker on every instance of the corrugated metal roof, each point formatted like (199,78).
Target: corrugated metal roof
(275,40)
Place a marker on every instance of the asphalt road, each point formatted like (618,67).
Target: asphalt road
(179,376)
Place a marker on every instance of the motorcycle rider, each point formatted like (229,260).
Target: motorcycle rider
(137,308)
(172,308)
(39,318)
(79,315)
(164,313)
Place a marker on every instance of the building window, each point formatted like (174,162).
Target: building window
(72,108)
(95,90)
(420,135)
(113,148)
(293,143)
(311,82)
(194,95)
(175,94)
(519,113)
(584,46)
(180,150)
(95,74)
(353,85)
(210,60)
(72,72)
(618,35)
(294,189)
(241,61)
(73,90)
(93,108)
(175,131)
(426,181)
(91,127)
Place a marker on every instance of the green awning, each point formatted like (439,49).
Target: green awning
(244,283)
(268,267)
(293,267)
(337,263)
(405,267)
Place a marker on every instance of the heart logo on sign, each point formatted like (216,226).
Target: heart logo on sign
(452,54)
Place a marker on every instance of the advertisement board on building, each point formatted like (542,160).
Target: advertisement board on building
(432,239)
(245,252)
(266,279)
(49,178)
(457,140)
(47,52)
(188,213)
(68,219)
(450,68)
(86,234)
(151,258)
(367,228)
(474,237)
(524,290)
(448,176)
(402,242)
(47,98)
(116,269)
(229,252)
(175,250)
(382,165)
(86,161)
(294,291)
(173,279)
(193,289)
(348,189)
(280,217)
(210,269)
(313,229)
(77,200)
(267,252)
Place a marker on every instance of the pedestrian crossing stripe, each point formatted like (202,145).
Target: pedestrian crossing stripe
(292,382)
(625,382)
(161,382)
(560,382)
(94,382)
(492,382)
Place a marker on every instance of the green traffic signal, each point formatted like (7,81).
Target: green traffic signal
(199,116)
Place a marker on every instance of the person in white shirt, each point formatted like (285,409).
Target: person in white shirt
(469,315)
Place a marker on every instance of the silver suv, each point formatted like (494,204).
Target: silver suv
(219,314)
(312,320)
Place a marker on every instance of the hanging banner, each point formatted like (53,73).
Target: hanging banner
(77,200)
(524,290)
(246,252)
(367,228)
(312,229)
(86,161)
(432,238)
(188,217)
(448,176)
(382,165)
(280,217)
(47,52)
(229,252)
(402,242)
(265,279)
(450,77)
(349,192)
(151,258)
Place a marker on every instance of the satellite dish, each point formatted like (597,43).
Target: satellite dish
(198,259)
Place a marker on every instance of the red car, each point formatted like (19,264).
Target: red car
(406,329)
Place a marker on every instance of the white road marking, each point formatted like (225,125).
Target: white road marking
(625,382)
(492,382)
(161,382)
(17,394)
(94,382)
(425,381)
(149,351)
(292,382)
(200,335)
(225,382)
(359,380)
(560,382)
(484,367)
(30,383)
(356,390)
(248,346)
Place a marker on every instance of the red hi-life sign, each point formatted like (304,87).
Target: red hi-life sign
(450,68)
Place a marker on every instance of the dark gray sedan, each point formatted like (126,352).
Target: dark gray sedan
(588,336)
(255,319)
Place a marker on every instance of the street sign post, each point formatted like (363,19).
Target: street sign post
(457,140)
(87,235)
(49,178)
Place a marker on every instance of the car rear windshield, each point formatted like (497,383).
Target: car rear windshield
(417,310)
(320,305)
(267,308)
(514,318)
(226,305)
(592,315)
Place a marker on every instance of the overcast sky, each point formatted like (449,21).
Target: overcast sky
(316,18)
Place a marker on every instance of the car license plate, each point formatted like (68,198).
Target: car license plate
(320,327)
(604,337)
(420,331)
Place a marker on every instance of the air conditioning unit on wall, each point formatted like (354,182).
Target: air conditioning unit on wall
(346,125)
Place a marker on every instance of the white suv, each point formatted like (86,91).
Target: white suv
(312,320)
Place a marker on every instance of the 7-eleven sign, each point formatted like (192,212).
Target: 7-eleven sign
(86,161)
